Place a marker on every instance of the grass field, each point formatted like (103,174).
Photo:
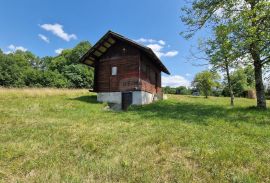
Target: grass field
(54,135)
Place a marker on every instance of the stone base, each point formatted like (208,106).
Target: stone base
(138,97)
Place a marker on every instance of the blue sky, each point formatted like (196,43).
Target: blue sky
(45,27)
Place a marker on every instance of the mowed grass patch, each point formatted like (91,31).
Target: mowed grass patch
(56,135)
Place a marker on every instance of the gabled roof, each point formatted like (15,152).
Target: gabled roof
(109,39)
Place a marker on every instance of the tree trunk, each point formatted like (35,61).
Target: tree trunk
(229,84)
(255,53)
(206,93)
(261,101)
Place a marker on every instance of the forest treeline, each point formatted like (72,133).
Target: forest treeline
(242,82)
(25,69)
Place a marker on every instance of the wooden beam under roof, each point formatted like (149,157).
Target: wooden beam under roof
(102,49)
(111,40)
(106,44)
(89,62)
(92,58)
(97,53)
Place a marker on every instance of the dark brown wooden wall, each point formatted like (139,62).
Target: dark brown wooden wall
(150,76)
(127,59)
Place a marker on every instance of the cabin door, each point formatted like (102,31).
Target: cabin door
(126,100)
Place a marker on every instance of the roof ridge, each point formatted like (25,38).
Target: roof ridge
(146,49)
(115,33)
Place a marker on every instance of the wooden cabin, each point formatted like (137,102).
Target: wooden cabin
(125,72)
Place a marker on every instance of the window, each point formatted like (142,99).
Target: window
(124,50)
(114,71)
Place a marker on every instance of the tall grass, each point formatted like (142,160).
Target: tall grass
(55,135)
(40,91)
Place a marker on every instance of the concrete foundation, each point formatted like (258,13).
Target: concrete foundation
(110,97)
(138,97)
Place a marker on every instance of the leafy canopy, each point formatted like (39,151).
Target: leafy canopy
(20,69)
(205,81)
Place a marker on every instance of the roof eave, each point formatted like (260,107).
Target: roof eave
(115,35)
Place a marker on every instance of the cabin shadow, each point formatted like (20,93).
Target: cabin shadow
(87,98)
(202,114)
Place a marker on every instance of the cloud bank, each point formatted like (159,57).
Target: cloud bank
(58,51)
(58,30)
(157,46)
(175,81)
(12,48)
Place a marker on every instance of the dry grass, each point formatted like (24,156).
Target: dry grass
(40,92)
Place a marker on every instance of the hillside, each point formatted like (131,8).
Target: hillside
(53,135)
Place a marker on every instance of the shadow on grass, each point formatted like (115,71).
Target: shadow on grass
(202,113)
(87,98)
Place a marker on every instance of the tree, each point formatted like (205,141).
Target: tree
(182,90)
(19,69)
(169,90)
(205,81)
(79,76)
(13,68)
(54,79)
(222,54)
(241,81)
(73,55)
(249,21)
(66,64)
(249,72)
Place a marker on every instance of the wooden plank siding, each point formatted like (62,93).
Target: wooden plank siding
(126,59)
(150,76)
(131,75)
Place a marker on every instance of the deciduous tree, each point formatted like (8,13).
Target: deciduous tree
(249,21)
(222,54)
(205,81)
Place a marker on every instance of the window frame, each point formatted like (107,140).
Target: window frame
(114,71)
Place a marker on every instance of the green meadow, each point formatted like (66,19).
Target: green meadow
(54,135)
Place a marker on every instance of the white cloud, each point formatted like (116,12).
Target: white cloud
(170,53)
(188,74)
(44,38)
(143,40)
(161,42)
(12,48)
(175,81)
(219,12)
(157,46)
(57,30)
(58,51)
